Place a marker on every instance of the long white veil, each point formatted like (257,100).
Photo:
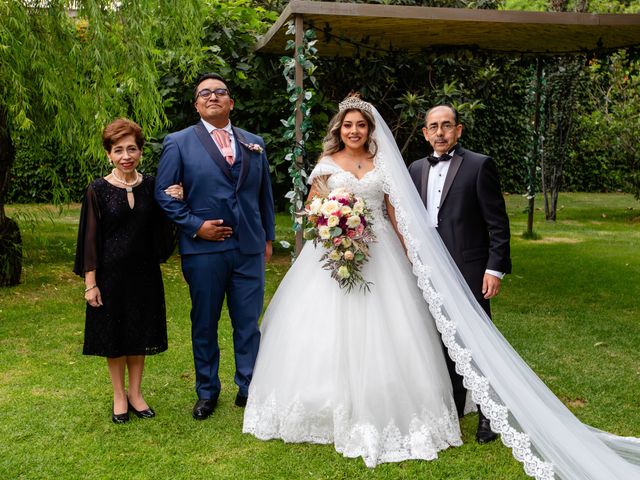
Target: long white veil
(543,434)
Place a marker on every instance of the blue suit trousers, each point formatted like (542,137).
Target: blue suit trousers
(212,277)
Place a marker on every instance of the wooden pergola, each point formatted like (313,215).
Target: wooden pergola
(345,28)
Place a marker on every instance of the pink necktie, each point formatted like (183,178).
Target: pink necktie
(223,141)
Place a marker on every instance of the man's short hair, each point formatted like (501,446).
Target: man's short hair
(207,76)
(449,106)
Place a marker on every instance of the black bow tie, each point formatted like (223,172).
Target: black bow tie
(442,158)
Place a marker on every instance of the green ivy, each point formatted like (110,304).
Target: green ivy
(305,55)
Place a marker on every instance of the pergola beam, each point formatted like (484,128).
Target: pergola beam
(344,28)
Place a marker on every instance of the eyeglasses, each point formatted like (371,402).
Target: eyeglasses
(446,127)
(218,92)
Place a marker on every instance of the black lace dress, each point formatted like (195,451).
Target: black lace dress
(125,246)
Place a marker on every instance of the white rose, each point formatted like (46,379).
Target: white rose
(346,242)
(334,255)
(345,210)
(324,232)
(358,207)
(353,221)
(314,206)
(333,221)
(329,208)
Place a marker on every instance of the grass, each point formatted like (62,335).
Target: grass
(570,308)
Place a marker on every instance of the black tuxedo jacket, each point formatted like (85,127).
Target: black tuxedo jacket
(472,219)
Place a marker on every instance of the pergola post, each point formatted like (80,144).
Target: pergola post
(299,77)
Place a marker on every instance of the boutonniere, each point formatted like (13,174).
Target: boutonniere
(254,147)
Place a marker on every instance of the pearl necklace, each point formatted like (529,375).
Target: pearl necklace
(128,185)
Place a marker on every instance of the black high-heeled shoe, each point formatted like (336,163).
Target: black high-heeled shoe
(148,413)
(119,417)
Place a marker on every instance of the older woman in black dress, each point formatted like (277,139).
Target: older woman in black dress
(123,236)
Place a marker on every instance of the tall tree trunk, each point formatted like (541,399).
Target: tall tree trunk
(535,148)
(10,239)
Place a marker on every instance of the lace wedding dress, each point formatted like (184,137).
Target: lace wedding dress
(364,371)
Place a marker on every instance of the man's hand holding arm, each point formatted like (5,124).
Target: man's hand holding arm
(214,231)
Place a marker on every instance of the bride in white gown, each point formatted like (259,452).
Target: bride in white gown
(366,372)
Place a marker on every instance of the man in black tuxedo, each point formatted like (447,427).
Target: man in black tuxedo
(461,191)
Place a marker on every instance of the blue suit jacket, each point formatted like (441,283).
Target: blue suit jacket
(210,192)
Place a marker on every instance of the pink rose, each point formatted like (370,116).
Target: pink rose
(337,241)
(351,233)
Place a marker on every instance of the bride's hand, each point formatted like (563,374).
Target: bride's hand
(175,191)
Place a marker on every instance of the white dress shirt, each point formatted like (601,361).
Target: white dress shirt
(437,176)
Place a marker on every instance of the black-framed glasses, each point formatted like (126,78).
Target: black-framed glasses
(218,92)
(446,127)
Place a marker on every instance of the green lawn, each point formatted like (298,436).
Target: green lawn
(570,308)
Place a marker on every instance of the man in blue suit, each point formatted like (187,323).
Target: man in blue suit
(227,225)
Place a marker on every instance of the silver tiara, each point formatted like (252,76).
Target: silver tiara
(350,103)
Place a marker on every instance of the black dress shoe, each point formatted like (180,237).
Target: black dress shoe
(148,413)
(484,433)
(204,408)
(241,400)
(120,417)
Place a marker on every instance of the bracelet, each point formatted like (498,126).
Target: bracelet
(90,288)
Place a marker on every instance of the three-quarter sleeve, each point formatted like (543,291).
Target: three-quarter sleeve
(88,245)
(165,235)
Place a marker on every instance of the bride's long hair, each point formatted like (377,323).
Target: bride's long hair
(332,142)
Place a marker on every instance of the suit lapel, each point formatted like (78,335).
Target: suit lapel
(454,166)
(240,155)
(211,148)
(424,181)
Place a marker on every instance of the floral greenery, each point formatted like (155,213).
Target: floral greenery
(302,99)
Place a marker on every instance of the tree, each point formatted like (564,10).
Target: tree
(607,154)
(63,78)
(561,97)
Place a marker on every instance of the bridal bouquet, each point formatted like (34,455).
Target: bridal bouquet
(341,223)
